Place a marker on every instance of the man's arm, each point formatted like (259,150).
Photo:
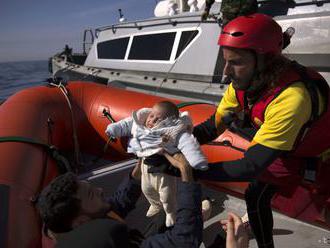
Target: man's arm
(187,231)
(206,131)
(256,159)
(284,118)
(214,126)
(127,194)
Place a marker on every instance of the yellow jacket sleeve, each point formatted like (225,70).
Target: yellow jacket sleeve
(227,104)
(284,118)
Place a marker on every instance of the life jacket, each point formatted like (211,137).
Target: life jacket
(302,174)
(314,138)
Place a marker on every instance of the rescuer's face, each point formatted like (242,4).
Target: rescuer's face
(239,66)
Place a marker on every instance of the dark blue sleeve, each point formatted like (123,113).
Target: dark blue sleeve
(187,231)
(125,197)
(256,159)
(206,131)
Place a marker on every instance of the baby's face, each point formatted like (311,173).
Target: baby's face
(156,115)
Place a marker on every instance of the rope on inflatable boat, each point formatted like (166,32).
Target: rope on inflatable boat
(58,84)
(51,149)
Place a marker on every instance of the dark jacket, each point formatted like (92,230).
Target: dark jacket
(187,231)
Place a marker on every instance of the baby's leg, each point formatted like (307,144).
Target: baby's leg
(148,186)
(167,193)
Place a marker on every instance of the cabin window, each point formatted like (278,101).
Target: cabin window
(112,49)
(280,8)
(152,46)
(273,8)
(186,38)
(310,2)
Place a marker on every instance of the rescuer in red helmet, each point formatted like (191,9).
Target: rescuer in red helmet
(280,105)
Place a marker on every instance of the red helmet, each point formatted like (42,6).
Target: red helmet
(258,32)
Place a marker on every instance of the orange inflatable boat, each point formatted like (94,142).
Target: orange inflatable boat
(38,124)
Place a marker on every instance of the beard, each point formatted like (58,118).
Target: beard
(238,85)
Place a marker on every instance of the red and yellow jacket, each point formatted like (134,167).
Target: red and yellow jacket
(290,125)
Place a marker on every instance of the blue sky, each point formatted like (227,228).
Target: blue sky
(36,29)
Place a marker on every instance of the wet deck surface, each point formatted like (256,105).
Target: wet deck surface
(288,232)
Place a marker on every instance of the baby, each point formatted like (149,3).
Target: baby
(152,131)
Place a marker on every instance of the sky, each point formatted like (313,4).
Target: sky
(37,29)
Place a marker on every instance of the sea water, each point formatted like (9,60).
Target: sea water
(15,76)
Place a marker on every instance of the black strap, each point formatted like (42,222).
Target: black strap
(226,143)
(314,86)
(4,212)
(108,115)
(185,104)
(62,162)
(21,139)
(312,90)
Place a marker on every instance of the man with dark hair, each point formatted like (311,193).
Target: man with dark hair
(63,203)
(77,214)
(59,198)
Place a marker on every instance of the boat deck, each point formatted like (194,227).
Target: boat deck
(288,232)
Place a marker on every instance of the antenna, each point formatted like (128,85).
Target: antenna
(121,16)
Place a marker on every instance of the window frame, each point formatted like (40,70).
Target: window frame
(97,48)
(177,31)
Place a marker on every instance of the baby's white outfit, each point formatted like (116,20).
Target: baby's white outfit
(171,135)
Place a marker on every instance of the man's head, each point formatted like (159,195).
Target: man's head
(67,202)
(240,65)
(249,43)
(161,111)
